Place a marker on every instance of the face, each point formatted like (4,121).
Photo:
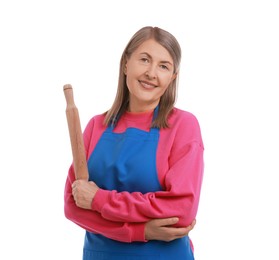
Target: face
(149,71)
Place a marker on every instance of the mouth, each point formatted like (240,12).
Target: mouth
(147,85)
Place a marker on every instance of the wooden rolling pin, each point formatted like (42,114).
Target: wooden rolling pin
(76,137)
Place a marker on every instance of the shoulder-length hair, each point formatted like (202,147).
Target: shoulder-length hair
(167,100)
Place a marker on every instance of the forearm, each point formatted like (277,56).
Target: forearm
(144,207)
(179,199)
(93,222)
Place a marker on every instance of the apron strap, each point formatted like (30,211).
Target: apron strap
(155,114)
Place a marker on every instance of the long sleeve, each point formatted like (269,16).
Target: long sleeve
(181,181)
(92,221)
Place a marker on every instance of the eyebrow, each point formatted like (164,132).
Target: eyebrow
(149,56)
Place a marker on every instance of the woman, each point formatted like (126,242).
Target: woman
(145,161)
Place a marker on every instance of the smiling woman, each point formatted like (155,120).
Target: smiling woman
(145,162)
(149,72)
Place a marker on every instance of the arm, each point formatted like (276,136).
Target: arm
(180,199)
(182,183)
(157,229)
(162,229)
(92,221)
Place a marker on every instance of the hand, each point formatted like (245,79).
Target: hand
(161,229)
(84,192)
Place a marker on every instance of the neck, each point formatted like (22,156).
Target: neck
(140,108)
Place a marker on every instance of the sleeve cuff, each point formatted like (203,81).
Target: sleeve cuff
(137,229)
(138,232)
(100,199)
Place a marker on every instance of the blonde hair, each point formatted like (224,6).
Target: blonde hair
(167,100)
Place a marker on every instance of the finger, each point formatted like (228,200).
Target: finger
(174,233)
(181,232)
(74,184)
(167,221)
(191,226)
(185,231)
(193,223)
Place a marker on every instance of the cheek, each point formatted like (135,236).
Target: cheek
(131,67)
(130,75)
(166,82)
(131,83)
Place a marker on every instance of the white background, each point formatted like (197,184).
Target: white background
(229,80)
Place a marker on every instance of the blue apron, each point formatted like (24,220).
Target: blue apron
(127,162)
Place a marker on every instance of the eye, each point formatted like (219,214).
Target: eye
(164,67)
(145,60)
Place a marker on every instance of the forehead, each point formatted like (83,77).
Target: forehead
(153,49)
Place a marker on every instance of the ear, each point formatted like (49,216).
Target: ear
(125,69)
(174,76)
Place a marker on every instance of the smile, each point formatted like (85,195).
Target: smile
(147,85)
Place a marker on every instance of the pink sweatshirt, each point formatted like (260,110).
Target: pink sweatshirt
(122,215)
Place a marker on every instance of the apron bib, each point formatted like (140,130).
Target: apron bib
(127,162)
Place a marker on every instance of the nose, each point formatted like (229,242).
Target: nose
(151,72)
